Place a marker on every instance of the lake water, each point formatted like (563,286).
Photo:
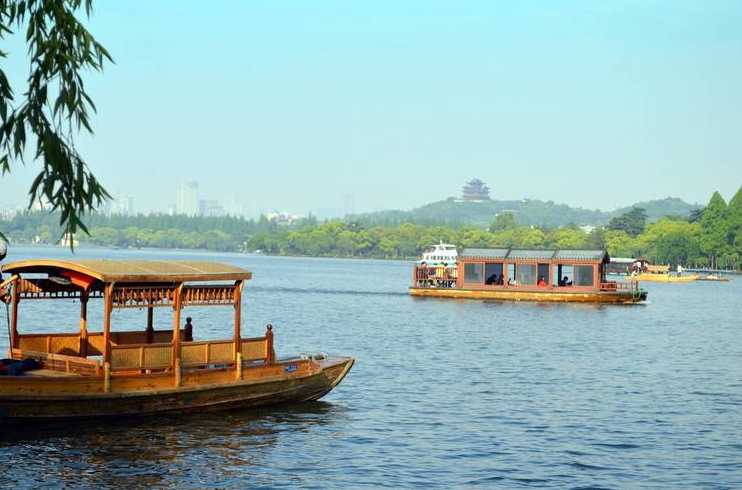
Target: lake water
(444,393)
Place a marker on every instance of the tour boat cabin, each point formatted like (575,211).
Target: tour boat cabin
(527,274)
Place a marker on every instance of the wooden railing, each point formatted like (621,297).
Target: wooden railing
(70,343)
(206,353)
(141,356)
(257,349)
(62,343)
(59,362)
(60,351)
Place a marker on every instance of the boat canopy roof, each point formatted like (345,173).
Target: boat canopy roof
(133,271)
(534,254)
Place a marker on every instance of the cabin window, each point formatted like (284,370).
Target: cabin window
(583,275)
(511,273)
(493,274)
(543,272)
(527,275)
(563,275)
(473,273)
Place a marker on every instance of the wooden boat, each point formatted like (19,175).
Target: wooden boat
(527,275)
(646,272)
(137,372)
(668,278)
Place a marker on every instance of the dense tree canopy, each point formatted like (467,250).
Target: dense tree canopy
(631,222)
(670,240)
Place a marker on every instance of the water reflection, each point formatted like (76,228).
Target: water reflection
(159,450)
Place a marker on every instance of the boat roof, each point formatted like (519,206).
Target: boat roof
(535,254)
(138,271)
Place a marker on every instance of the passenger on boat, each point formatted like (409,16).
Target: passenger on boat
(500,280)
(188,330)
(541,282)
(492,279)
(565,282)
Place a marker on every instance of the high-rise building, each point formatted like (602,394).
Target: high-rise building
(475,190)
(188,199)
(122,205)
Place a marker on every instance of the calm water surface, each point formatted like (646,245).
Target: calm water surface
(444,393)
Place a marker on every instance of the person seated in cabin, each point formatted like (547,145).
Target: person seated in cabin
(541,282)
(492,279)
(565,282)
(512,282)
(501,280)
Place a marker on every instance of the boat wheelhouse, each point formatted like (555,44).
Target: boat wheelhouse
(442,253)
(105,372)
(532,274)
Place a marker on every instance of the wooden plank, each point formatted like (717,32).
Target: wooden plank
(14,298)
(84,324)
(237,299)
(107,306)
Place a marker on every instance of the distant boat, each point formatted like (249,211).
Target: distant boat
(713,277)
(644,271)
(524,275)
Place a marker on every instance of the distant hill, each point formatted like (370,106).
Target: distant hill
(656,209)
(454,212)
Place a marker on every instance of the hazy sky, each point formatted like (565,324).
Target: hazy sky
(294,105)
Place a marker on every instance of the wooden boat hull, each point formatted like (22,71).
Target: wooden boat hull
(612,297)
(76,401)
(665,278)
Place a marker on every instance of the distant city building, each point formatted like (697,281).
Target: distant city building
(188,199)
(122,205)
(7,214)
(475,190)
(210,208)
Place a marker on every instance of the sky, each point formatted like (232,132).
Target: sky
(334,106)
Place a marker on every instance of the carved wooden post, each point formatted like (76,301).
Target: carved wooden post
(108,306)
(176,333)
(150,324)
(84,324)
(15,297)
(106,377)
(269,354)
(237,299)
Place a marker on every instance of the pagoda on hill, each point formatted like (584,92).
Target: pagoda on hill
(475,190)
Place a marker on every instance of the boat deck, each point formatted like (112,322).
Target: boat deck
(50,373)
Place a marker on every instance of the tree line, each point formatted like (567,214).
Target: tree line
(710,237)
